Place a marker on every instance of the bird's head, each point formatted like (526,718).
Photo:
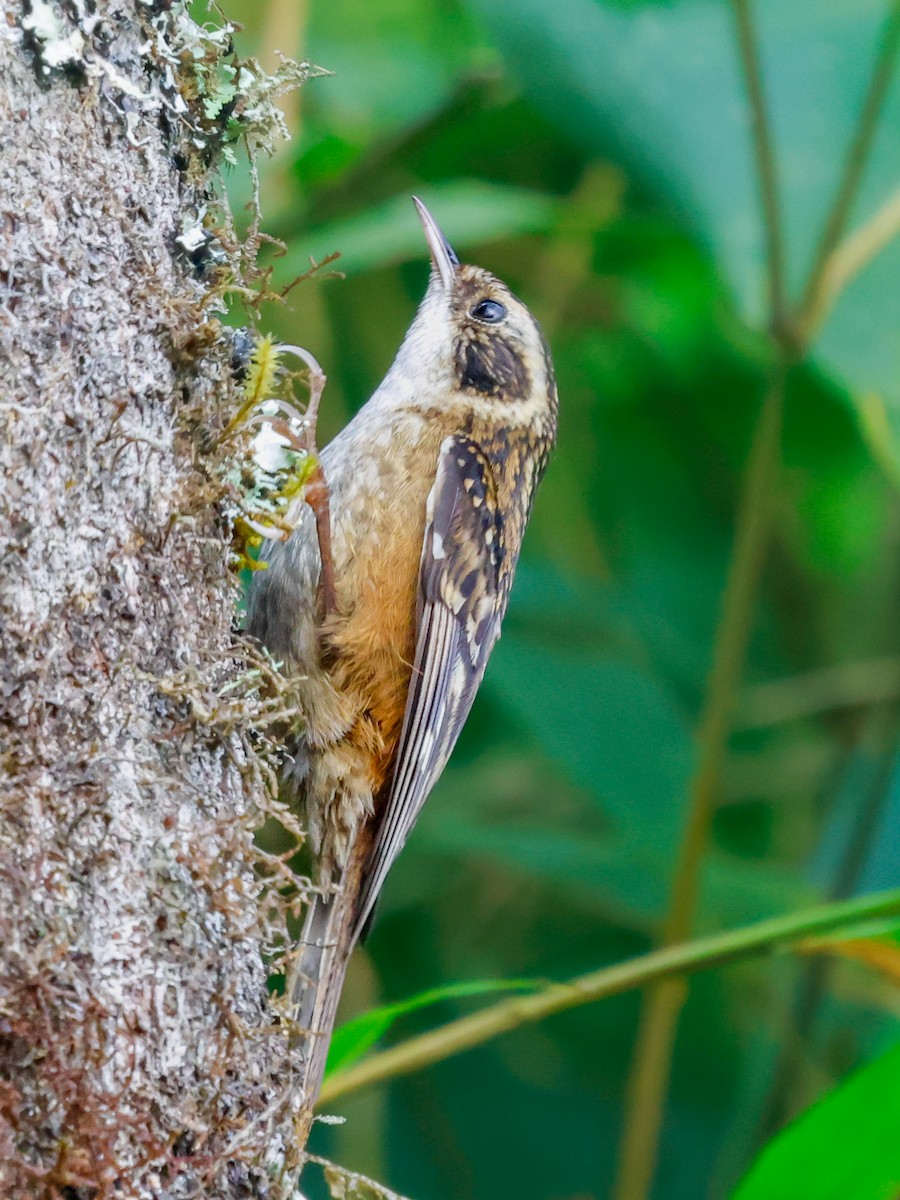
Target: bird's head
(472,337)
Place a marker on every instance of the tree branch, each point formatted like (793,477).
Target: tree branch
(138,1042)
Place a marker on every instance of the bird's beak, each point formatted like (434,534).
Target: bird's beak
(442,256)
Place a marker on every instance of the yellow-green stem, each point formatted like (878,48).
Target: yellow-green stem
(649,1077)
(854,166)
(702,954)
(648,1081)
(766,172)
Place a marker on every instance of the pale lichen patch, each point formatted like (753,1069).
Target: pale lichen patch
(60,44)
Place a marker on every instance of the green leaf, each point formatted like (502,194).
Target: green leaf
(846,1147)
(469,213)
(352,1039)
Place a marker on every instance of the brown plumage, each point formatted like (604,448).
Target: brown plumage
(431,486)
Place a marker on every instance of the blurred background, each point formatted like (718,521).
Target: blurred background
(598,156)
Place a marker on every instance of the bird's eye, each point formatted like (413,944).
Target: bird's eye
(491,311)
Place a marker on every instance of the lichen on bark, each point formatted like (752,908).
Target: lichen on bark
(140,1051)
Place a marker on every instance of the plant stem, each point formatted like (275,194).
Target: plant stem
(764,155)
(702,954)
(848,685)
(648,1081)
(844,263)
(854,166)
(818,972)
(284,31)
(649,1078)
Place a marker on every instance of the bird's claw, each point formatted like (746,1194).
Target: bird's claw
(316,492)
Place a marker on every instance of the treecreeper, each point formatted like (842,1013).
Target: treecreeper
(431,485)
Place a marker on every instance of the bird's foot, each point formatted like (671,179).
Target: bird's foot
(316,492)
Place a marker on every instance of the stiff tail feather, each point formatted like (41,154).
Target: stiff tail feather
(316,941)
(330,931)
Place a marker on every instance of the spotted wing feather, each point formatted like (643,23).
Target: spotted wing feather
(460,607)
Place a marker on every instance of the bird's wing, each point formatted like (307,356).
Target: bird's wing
(460,607)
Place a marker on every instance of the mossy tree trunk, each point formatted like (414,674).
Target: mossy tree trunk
(140,1053)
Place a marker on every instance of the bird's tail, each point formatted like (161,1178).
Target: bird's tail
(330,932)
(316,940)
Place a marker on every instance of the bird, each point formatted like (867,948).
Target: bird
(430,488)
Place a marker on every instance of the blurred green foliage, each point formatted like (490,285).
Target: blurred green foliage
(598,157)
(864,1112)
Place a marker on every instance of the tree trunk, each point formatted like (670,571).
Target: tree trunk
(140,1053)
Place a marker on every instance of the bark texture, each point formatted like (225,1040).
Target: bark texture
(140,1054)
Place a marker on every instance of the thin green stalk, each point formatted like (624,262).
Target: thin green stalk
(844,263)
(702,954)
(732,638)
(649,1077)
(648,1081)
(849,685)
(854,165)
(764,154)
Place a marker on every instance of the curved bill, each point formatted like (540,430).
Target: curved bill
(445,261)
